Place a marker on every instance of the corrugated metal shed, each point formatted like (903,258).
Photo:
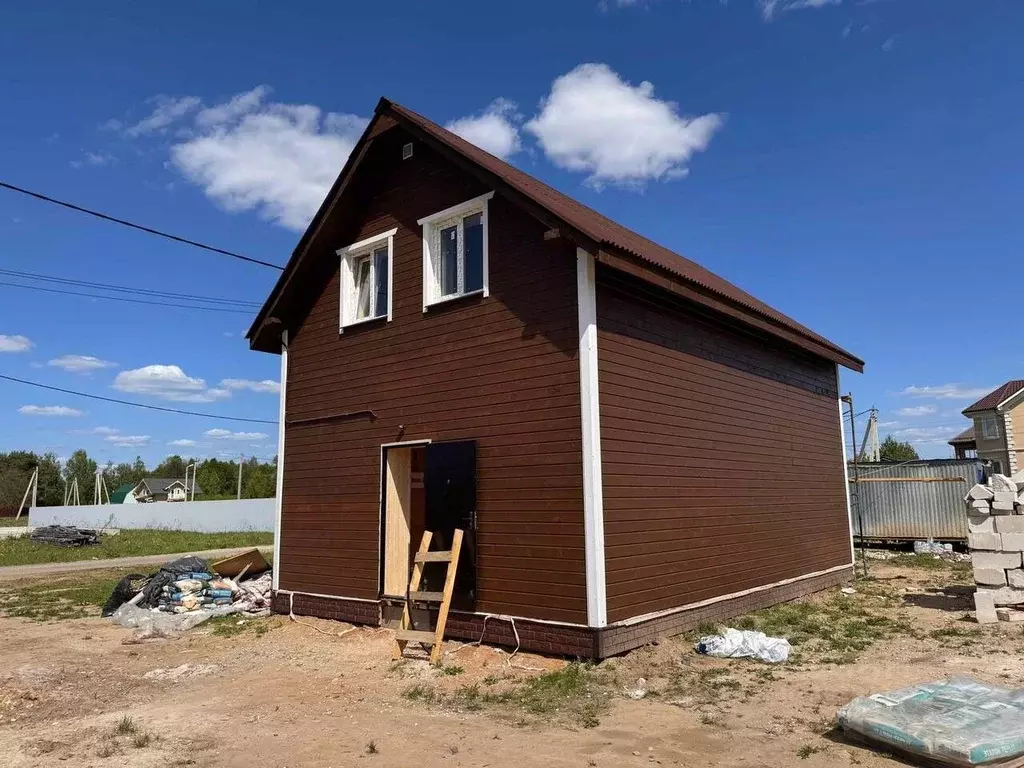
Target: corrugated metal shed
(916,500)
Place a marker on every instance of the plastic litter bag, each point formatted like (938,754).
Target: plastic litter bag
(149,623)
(735,644)
(960,722)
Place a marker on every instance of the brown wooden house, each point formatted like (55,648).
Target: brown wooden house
(633,444)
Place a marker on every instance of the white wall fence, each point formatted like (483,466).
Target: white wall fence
(206,516)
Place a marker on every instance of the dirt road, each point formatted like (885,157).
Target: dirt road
(18,572)
(282,695)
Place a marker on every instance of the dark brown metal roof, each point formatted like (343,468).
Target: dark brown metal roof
(996,396)
(967,436)
(594,227)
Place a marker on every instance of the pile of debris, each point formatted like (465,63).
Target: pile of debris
(995,521)
(187,591)
(65,535)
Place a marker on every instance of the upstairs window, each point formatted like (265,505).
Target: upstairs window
(366,269)
(455,252)
(989,427)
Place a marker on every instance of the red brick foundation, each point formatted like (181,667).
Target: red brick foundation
(562,639)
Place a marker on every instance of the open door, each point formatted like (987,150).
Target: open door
(397,522)
(449,481)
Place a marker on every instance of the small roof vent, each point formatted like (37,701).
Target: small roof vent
(407,151)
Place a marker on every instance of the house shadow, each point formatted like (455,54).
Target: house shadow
(841,739)
(953,599)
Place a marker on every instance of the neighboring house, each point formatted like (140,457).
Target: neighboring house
(964,446)
(151,489)
(999,427)
(122,492)
(632,444)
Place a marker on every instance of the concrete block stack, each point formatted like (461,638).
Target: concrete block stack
(995,522)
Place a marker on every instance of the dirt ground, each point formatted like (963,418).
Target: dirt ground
(281,694)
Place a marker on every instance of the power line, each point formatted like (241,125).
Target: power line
(126,289)
(140,227)
(130,301)
(135,405)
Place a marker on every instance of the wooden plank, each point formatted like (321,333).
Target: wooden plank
(415,636)
(397,506)
(414,586)
(449,585)
(433,557)
(426,597)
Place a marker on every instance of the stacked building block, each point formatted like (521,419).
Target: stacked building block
(995,521)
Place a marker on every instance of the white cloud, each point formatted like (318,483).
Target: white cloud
(769,7)
(594,122)
(926,435)
(15,343)
(182,443)
(266,385)
(233,108)
(127,441)
(917,410)
(105,431)
(884,424)
(167,110)
(227,434)
(81,363)
(494,130)
(93,160)
(276,159)
(889,43)
(49,410)
(947,392)
(168,382)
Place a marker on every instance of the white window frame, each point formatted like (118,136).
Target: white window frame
(347,297)
(433,224)
(993,422)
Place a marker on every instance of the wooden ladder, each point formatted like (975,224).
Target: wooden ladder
(405,634)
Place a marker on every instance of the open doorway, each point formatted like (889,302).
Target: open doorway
(428,487)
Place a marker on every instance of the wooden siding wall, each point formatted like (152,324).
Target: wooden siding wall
(721,455)
(502,370)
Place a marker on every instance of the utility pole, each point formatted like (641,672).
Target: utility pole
(241,456)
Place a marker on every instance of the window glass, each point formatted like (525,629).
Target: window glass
(362,280)
(449,272)
(380,279)
(473,234)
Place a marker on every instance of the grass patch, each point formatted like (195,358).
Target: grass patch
(835,630)
(571,695)
(371,748)
(451,670)
(69,596)
(10,522)
(806,750)
(234,625)
(126,725)
(24,551)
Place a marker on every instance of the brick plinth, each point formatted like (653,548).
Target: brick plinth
(561,639)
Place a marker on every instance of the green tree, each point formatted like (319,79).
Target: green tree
(172,466)
(83,468)
(893,450)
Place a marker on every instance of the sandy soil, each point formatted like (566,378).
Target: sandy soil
(297,697)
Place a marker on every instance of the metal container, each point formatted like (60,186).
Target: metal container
(916,500)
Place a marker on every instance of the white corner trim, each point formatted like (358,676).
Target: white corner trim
(846,476)
(367,242)
(276,578)
(590,413)
(456,209)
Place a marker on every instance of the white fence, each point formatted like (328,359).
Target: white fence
(206,516)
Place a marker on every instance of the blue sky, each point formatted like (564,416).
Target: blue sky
(856,164)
